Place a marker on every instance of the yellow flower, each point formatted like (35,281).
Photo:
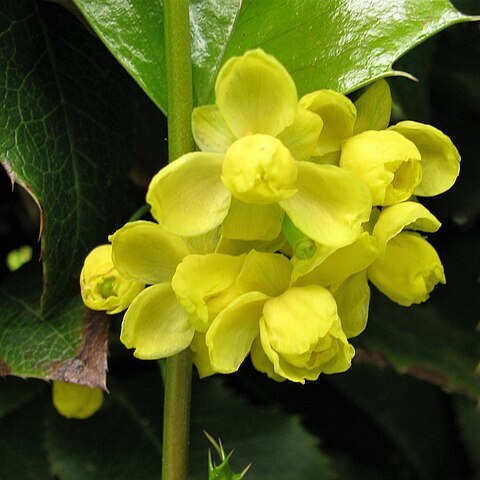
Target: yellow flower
(155,324)
(409,267)
(187,290)
(354,136)
(76,401)
(294,333)
(102,286)
(408,271)
(302,336)
(253,169)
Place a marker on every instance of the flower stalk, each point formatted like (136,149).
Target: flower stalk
(176,423)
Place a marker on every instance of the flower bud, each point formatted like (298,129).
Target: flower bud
(408,271)
(102,286)
(259,169)
(386,161)
(76,401)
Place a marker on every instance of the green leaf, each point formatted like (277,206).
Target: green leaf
(67,343)
(338,44)
(413,414)
(422,341)
(468,422)
(122,440)
(276,445)
(62,133)
(112,444)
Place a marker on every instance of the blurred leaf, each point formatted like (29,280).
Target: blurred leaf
(22,454)
(15,393)
(413,414)
(128,427)
(468,419)
(62,133)
(67,343)
(276,445)
(330,57)
(421,341)
(113,444)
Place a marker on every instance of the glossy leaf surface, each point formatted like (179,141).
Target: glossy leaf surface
(317,41)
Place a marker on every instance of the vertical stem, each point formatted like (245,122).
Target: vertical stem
(179,78)
(176,423)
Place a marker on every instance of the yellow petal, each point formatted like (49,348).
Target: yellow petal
(412,215)
(302,136)
(330,206)
(440,158)
(200,356)
(237,247)
(256,94)
(353,299)
(408,271)
(261,362)
(144,251)
(374,108)
(389,164)
(268,273)
(342,361)
(338,114)
(204,285)
(209,129)
(188,197)
(343,263)
(231,334)
(206,243)
(295,320)
(247,221)
(301,268)
(76,401)
(155,325)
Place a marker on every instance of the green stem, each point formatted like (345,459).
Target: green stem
(176,423)
(179,78)
(176,419)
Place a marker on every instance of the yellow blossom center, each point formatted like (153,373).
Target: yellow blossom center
(259,169)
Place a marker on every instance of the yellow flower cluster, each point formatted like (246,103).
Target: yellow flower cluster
(265,240)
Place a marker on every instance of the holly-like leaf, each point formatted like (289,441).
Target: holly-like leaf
(66,123)
(67,343)
(337,44)
(61,133)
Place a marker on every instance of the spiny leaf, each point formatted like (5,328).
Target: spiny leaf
(61,134)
